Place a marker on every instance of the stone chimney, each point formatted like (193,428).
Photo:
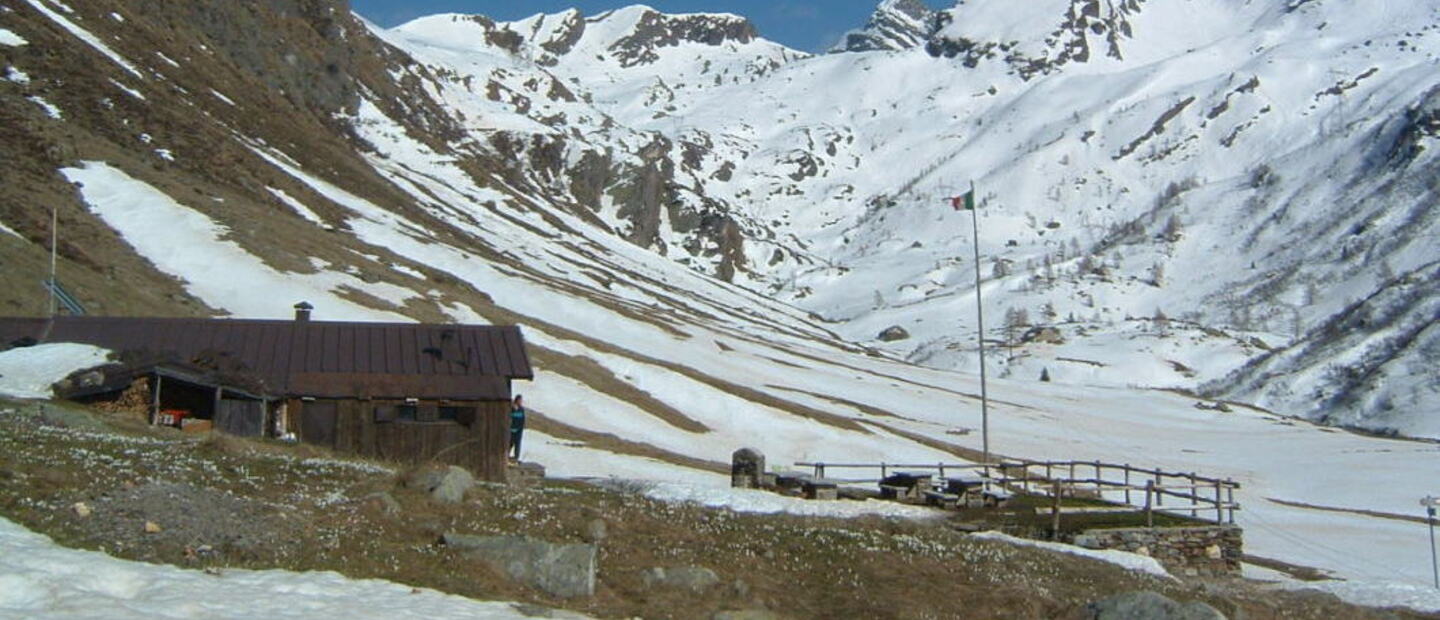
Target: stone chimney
(302,311)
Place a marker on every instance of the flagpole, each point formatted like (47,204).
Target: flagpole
(980,337)
(54,240)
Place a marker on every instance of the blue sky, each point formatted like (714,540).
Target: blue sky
(810,25)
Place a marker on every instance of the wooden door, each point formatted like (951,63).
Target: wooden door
(317,422)
(243,418)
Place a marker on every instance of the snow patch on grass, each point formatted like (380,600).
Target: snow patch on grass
(11,39)
(39,578)
(1130,561)
(28,372)
(84,35)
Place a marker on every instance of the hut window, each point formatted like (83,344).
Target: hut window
(428,413)
(457,414)
(406,412)
(386,413)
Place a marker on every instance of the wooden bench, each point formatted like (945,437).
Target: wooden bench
(905,485)
(941,499)
(821,488)
(995,497)
(791,482)
(890,491)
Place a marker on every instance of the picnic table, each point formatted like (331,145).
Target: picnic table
(906,485)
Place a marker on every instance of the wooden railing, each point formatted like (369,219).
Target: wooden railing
(1141,488)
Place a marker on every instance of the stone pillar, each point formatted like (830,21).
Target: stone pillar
(747,468)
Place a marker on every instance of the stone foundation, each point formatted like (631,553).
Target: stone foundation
(1203,550)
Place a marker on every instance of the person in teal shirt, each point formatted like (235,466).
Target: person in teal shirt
(517,426)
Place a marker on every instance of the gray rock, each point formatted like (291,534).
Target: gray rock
(693,578)
(747,614)
(595,530)
(446,484)
(894,333)
(564,570)
(1150,606)
(384,501)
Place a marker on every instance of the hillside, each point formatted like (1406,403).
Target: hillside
(702,232)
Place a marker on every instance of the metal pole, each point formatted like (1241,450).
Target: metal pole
(980,337)
(1430,503)
(54,241)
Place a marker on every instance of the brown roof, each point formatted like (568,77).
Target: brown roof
(314,358)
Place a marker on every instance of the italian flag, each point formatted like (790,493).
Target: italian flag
(964,202)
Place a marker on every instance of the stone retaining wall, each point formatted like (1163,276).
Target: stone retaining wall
(1204,550)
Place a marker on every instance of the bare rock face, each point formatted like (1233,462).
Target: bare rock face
(657,30)
(1085,28)
(895,25)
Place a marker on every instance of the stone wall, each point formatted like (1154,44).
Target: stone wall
(1205,550)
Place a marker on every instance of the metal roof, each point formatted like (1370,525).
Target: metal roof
(312,358)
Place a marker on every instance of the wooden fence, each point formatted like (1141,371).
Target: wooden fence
(1144,489)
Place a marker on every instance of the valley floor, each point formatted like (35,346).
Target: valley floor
(224,506)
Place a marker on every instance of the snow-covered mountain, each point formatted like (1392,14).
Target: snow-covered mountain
(1154,178)
(703,233)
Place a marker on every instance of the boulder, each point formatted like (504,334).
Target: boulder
(595,530)
(446,484)
(747,614)
(1149,606)
(894,333)
(695,579)
(564,570)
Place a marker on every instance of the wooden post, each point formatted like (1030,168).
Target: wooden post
(1159,501)
(1194,496)
(1127,484)
(1219,514)
(215,408)
(1048,474)
(1149,510)
(882,470)
(1230,500)
(1055,511)
(155,401)
(942,470)
(1098,492)
(1025,478)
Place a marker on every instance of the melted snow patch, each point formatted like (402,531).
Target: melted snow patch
(50,109)
(222,97)
(1127,560)
(752,500)
(84,35)
(9,231)
(40,579)
(17,76)
(300,208)
(28,372)
(129,91)
(11,39)
(216,269)
(1424,599)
